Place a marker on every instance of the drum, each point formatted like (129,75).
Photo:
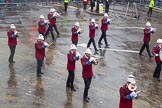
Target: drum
(160,54)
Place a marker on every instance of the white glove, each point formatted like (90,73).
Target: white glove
(78,30)
(45,21)
(15,32)
(78,54)
(108,19)
(46,44)
(156,54)
(133,94)
(92,59)
(96,25)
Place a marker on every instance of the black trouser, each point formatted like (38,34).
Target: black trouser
(12,53)
(89,43)
(51,30)
(65,5)
(106,8)
(149,13)
(84,6)
(87,83)
(75,43)
(103,36)
(157,70)
(55,27)
(70,79)
(145,44)
(39,66)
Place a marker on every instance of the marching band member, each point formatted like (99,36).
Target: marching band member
(104,27)
(155,52)
(87,71)
(75,32)
(42,25)
(72,56)
(52,21)
(56,15)
(127,93)
(92,27)
(40,46)
(146,39)
(12,42)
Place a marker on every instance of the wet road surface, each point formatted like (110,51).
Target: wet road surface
(20,88)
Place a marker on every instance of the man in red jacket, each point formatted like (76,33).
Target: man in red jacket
(40,46)
(146,39)
(72,57)
(12,42)
(42,25)
(126,94)
(75,32)
(87,71)
(92,27)
(104,27)
(156,53)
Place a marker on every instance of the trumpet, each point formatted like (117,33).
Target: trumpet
(93,60)
(132,87)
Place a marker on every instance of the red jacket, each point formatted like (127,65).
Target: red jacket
(104,25)
(41,27)
(147,34)
(85,1)
(11,40)
(156,50)
(71,61)
(51,19)
(74,37)
(92,30)
(124,102)
(39,50)
(87,68)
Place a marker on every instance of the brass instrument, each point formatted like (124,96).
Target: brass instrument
(132,87)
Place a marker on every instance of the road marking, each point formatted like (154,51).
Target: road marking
(129,27)
(109,49)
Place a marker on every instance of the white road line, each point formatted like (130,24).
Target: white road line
(109,49)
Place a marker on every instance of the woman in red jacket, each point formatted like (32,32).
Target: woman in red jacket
(87,71)
(40,46)
(156,53)
(127,93)
(72,57)
(104,27)
(92,27)
(42,26)
(146,39)
(12,42)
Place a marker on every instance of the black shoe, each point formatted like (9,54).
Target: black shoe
(38,75)
(96,53)
(150,56)
(73,89)
(141,55)
(107,46)
(158,79)
(100,43)
(58,35)
(41,73)
(12,62)
(86,100)
(68,86)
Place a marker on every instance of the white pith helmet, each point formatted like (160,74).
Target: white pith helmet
(148,24)
(41,16)
(105,15)
(159,41)
(131,79)
(40,37)
(77,24)
(93,20)
(88,51)
(52,10)
(12,26)
(72,46)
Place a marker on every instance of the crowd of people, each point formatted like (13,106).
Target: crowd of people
(127,92)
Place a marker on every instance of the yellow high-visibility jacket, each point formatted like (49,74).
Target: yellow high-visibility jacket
(151,5)
(66,1)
